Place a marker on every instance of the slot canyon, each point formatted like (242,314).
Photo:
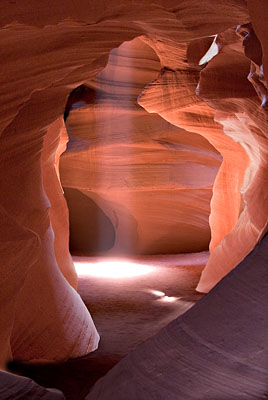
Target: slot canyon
(133,201)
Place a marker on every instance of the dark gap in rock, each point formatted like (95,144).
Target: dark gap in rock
(91,231)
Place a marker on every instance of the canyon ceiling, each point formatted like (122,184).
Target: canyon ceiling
(197,116)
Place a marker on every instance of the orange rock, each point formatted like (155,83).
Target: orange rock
(152,180)
(48,49)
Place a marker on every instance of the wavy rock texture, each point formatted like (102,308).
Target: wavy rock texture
(236,227)
(182,107)
(49,49)
(186,360)
(245,122)
(54,145)
(153,181)
(18,387)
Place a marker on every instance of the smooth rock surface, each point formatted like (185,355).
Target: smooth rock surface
(126,308)
(198,99)
(51,48)
(18,387)
(215,351)
(152,180)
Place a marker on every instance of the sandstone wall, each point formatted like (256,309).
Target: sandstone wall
(48,49)
(152,180)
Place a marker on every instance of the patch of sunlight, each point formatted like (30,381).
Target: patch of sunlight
(112,269)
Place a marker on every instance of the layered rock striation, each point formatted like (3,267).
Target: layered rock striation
(207,86)
(152,180)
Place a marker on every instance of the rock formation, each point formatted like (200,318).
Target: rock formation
(153,181)
(212,82)
(188,360)
(18,387)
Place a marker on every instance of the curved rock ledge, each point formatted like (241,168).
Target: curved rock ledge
(236,227)
(51,48)
(186,360)
(152,180)
(19,387)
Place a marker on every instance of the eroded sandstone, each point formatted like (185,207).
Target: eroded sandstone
(50,49)
(152,180)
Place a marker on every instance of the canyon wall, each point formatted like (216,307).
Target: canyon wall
(218,92)
(221,104)
(215,351)
(153,181)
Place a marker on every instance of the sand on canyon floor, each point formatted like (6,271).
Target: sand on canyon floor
(130,299)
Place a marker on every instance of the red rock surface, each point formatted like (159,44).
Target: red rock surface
(153,181)
(50,48)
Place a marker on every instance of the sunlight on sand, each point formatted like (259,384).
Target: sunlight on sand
(112,269)
(163,296)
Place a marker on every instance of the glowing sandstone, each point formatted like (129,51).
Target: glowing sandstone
(54,145)
(152,180)
(51,48)
(236,227)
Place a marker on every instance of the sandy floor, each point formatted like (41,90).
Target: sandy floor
(126,311)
